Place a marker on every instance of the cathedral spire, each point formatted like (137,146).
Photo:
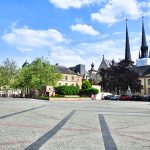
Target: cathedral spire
(127,45)
(144,43)
(144,47)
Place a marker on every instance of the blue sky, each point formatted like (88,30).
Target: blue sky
(71,32)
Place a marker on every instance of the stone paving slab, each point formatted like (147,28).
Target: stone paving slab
(76,125)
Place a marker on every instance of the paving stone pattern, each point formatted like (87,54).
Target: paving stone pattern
(75,125)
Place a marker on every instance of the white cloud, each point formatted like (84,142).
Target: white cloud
(85,29)
(72,54)
(65,56)
(86,53)
(115,10)
(26,39)
(65,4)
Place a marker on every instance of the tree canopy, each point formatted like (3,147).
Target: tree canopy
(37,74)
(86,84)
(119,76)
(7,73)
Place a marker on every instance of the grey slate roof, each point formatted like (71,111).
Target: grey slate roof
(108,62)
(65,70)
(142,70)
(104,64)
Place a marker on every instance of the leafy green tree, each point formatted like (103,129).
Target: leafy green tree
(7,73)
(86,84)
(119,76)
(39,73)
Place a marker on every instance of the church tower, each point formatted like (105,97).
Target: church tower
(127,45)
(143,53)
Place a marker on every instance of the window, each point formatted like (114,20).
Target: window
(66,83)
(72,84)
(66,77)
(72,78)
(148,81)
(59,84)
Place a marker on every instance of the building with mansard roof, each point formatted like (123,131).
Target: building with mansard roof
(73,76)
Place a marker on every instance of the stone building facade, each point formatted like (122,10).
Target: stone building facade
(69,77)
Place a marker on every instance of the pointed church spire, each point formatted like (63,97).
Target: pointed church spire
(144,43)
(127,45)
(144,47)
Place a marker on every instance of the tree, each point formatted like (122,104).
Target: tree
(39,73)
(86,84)
(7,73)
(120,76)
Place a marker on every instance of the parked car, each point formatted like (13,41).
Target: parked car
(145,98)
(136,98)
(125,97)
(115,97)
(104,95)
(108,97)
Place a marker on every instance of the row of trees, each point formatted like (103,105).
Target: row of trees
(119,77)
(29,78)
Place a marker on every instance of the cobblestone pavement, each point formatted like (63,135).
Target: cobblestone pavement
(82,125)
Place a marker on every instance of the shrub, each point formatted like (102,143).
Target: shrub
(86,84)
(67,90)
(88,92)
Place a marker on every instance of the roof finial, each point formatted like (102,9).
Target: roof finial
(126,20)
(142,17)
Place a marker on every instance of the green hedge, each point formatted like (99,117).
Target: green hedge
(88,92)
(67,90)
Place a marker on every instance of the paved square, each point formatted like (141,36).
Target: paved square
(81,125)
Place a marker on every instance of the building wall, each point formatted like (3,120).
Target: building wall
(145,81)
(69,79)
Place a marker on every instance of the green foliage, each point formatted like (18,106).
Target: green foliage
(86,84)
(37,74)
(7,73)
(67,90)
(120,76)
(89,91)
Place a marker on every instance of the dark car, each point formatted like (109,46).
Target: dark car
(125,97)
(107,97)
(136,98)
(145,98)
